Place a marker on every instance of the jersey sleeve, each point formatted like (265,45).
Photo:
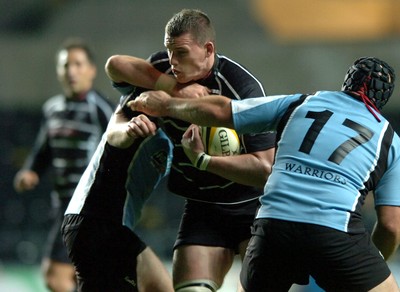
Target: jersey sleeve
(160,61)
(123,87)
(257,115)
(259,142)
(387,191)
(39,158)
(241,80)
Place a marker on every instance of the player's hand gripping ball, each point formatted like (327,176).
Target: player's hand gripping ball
(220,141)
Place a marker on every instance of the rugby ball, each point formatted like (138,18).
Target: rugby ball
(220,141)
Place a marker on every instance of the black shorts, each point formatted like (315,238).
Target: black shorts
(216,224)
(281,253)
(104,253)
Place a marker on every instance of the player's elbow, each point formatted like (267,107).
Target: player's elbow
(388,220)
(264,168)
(264,175)
(111,138)
(111,67)
(266,158)
(392,229)
(117,139)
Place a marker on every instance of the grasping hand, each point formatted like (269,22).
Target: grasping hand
(192,90)
(192,143)
(153,103)
(140,126)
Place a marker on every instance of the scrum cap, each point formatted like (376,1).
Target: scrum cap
(371,77)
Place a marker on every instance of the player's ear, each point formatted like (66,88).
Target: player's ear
(210,49)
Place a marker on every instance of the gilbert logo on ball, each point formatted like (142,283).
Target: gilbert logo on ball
(220,141)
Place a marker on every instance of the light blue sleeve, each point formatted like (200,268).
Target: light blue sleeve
(261,114)
(150,165)
(388,189)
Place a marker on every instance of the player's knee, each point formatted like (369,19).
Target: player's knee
(197,286)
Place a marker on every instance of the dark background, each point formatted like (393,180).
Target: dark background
(32,30)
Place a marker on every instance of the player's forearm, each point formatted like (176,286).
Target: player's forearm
(205,111)
(138,72)
(135,71)
(118,138)
(386,233)
(245,169)
(116,131)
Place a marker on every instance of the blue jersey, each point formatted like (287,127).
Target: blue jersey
(331,151)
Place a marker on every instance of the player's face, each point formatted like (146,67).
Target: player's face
(189,60)
(75,72)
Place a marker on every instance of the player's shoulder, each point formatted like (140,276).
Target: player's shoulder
(54,101)
(235,72)
(225,63)
(100,99)
(55,98)
(96,94)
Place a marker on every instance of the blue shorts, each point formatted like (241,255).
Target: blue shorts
(282,253)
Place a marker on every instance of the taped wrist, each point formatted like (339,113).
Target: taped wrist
(165,82)
(202,161)
(198,285)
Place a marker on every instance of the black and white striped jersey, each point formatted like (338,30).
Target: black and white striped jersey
(69,133)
